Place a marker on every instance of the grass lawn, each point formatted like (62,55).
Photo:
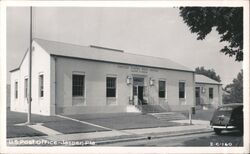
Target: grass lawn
(69,127)
(201,114)
(62,125)
(118,121)
(22,131)
(122,121)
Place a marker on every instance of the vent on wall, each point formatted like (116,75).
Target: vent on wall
(99,47)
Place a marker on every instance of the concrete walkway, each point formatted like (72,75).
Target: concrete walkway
(39,127)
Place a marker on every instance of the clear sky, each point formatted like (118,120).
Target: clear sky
(158,32)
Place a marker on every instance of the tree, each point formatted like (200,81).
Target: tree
(228,21)
(234,90)
(208,72)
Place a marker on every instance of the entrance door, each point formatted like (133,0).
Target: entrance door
(140,95)
(197,95)
(138,84)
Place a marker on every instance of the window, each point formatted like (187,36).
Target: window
(162,89)
(181,89)
(41,85)
(111,87)
(211,93)
(26,88)
(78,85)
(16,89)
(197,92)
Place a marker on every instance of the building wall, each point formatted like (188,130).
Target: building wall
(95,86)
(40,65)
(8,96)
(15,104)
(204,94)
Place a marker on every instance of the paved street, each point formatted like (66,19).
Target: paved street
(204,139)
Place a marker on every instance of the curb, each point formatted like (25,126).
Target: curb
(199,131)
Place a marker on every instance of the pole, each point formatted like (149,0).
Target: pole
(30,70)
(190,116)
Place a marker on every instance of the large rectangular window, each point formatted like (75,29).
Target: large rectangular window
(26,88)
(41,85)
(181,89)
(162,89)
(111,87)
(211,93)
(78,85)
(16,89)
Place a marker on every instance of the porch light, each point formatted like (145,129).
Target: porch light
(151,82)
(203,89)
(129,80)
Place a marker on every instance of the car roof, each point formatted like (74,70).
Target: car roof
(232,105)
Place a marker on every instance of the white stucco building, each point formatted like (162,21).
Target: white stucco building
(73,79)
(208,92)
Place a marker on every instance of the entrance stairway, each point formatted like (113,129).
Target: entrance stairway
(151,108)
(169,116)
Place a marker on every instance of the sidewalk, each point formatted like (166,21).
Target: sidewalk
(97,138)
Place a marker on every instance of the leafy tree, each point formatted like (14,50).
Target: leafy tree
(234,90)
(208,72)
(228,21)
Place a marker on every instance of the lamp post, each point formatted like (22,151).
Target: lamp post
(30,70)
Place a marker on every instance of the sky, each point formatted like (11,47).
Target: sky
(158,32)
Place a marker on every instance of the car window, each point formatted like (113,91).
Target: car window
(230,108)
(225,108)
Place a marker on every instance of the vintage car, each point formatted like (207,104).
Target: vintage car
(228,117)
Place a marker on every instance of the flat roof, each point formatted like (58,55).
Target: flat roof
(199,78)
(107,55)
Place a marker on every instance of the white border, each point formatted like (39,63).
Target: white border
(232,3)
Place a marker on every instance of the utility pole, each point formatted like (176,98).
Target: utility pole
(30,70)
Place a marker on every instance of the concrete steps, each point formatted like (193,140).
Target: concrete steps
(132,109)
(150,108)
(169,116)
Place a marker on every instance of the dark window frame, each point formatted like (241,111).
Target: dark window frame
(16,89)
(78,85)
(182,90)
(26,83)
(111,83)
(211,93)
(162,89)
(41,85)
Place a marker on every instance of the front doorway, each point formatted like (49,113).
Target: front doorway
(138,90)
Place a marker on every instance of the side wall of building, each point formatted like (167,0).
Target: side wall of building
(95,73)
(15,103)
(40,66)
(204,95)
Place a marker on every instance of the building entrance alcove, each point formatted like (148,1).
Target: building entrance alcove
(138,90)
